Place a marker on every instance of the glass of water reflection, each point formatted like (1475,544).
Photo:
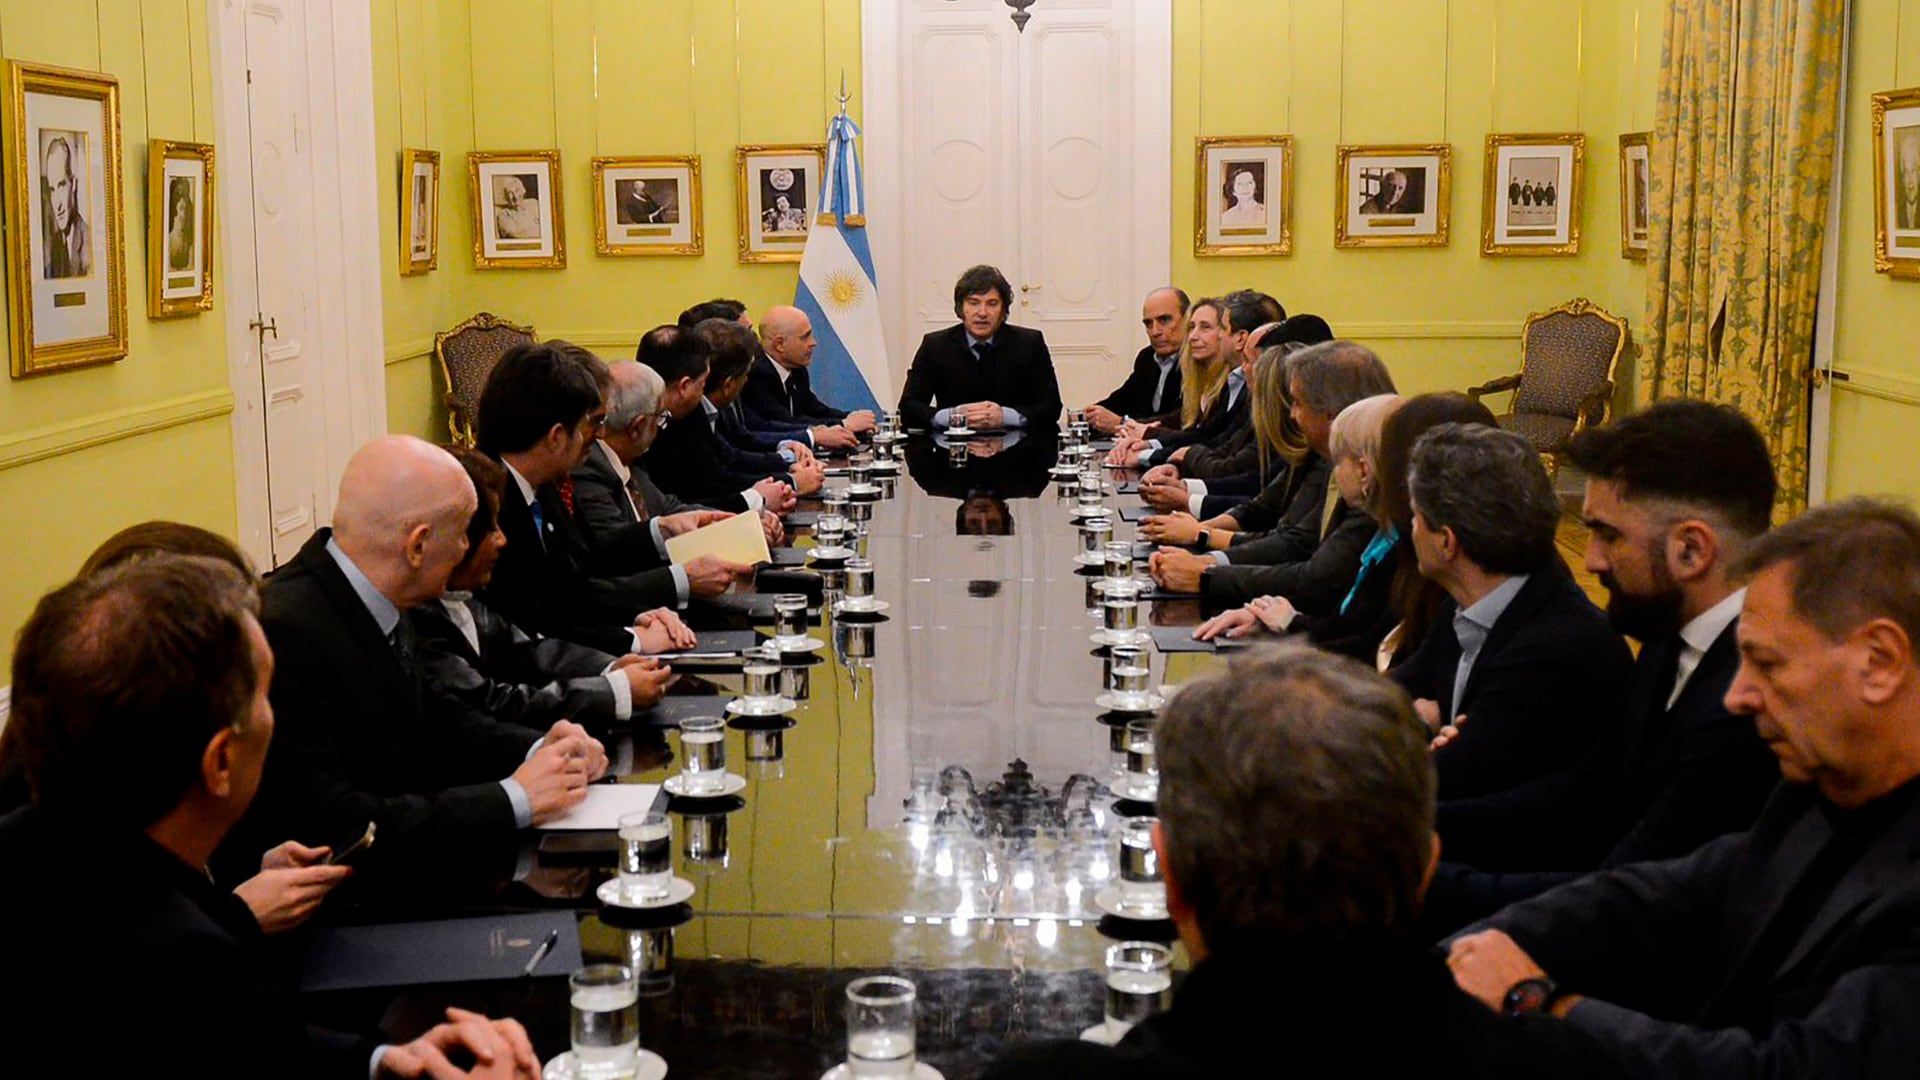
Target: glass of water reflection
(646,856)
(606,1021)
(703,750)
(1139,982)
(880,1026)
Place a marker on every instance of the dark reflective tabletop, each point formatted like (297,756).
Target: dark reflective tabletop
(942,806)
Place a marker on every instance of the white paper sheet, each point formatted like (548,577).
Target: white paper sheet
(605,803)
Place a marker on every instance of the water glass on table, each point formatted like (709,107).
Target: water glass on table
(760,671)
(859,585)
(703,750)
(1095,534)
(1120,612)
(1143,891)
(646,856)
(1139,983)
(1143,769)
(605,1002)
(1119,565)
(790,620)
(880,1019)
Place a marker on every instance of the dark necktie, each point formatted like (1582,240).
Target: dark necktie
(639,499)
(539,521)
(403,642)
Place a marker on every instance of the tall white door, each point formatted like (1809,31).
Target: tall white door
(1043,152)
(302,307)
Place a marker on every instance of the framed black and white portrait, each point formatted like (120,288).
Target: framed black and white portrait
(419,211)
(1532,197)
(1243,195)
(517,219)
(647,206)
(1636,211)
(66,271)
(1393,196)
(776,187)
(1896,183)
(179,228)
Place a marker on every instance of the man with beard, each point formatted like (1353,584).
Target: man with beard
(1675,495)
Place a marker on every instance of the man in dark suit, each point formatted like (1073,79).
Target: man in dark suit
(140,703)
(541,409)
(1218,328)
(991,374)
(1295,837)
(1676,492)
(778,390)
(362,733)
(1520,674)
(1152,390)
(704,455)
(1792,949)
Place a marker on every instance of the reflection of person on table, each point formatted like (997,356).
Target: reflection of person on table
(69,246)
(1012,465)
(517,215)
(1247,209)
(1909,208)
(987,373)
(180,224)
(1392,196)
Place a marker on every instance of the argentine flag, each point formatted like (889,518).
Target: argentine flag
(836,287)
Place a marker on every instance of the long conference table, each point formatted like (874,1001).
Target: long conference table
(942,807)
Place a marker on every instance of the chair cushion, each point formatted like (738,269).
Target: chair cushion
(1566,359)
(1548,434)
(471,354)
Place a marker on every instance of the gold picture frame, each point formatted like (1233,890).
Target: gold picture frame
(1230,221)
(648,206)
(518,218)
(1416,214)
(1636,195)
(180,219)
(419,211)
(1531,197)
(66,271)
(1896,175)
(764,174)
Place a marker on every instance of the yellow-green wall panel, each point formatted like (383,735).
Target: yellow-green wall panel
(1390,102)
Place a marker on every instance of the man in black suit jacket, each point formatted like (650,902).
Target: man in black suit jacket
(991,374)
(1675,493)
(1219,328)
(1294,883)
(1792,949)
(140,704)
(363,735)
(779,391)
(1152,389)
(1520,673)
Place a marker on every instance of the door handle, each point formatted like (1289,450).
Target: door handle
(267,327)
(1029,288)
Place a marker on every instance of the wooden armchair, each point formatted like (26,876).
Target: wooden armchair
(466,355)
(1565,383)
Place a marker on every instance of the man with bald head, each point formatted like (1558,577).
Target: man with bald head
(1152,391)
(779,391)
(362,735)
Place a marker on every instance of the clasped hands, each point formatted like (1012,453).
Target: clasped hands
(1176,570)
(1274,613)
(978,416)
(556,775)
(500,1050)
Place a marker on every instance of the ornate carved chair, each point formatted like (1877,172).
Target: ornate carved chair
(467,354)
(1565,383)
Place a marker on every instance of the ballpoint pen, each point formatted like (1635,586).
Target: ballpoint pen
(539,954)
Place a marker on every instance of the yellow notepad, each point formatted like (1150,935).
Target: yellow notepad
(738,538)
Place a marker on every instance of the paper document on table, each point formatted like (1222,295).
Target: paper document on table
(739,538)
(604,805)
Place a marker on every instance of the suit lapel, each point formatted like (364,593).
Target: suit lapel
(1883,870)
(1531,597)
(366,632)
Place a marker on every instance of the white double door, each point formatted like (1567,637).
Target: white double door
(1043,152)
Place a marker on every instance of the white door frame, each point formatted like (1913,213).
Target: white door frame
(883,128)
(338,41)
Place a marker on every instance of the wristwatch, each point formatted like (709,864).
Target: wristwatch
(1530,996)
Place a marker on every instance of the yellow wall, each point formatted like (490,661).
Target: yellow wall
(1878,318)
(1343,72)
(84,453)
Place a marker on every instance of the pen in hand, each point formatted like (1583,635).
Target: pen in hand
(539,954)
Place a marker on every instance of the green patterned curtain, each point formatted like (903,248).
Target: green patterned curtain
(1742,162)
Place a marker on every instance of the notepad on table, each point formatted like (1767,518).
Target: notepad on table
(603,806)
(739,538)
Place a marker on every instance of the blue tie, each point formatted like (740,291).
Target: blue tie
(539,522)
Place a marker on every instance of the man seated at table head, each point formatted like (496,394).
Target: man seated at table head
(363,735)
(1295,839)
(1791,949)
(994,375)
(780,391)
(142,710)
(1151,391)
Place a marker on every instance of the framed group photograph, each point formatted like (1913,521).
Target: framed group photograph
(1393,196)
(1636,177)
(179,228)
(419,211)
(516,209)
(66,258)
(647,206)
(776,187)
(1531,205)
(1896,183)
(1243,195)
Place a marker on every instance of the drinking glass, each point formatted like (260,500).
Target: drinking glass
(1143,892)
(1120,612)
(880,1027)
(1143,770)
(829,530)
(762,673)
(1092,495)
(860,467)
(703,748)
(1119,560)
(790,620)
(833,502)
(1139,983)
(646,856)
(859,584)
(605,1002)
(1095,534)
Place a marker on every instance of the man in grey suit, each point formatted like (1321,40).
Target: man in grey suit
(1792,949)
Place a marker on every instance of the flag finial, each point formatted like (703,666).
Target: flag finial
(844,96)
